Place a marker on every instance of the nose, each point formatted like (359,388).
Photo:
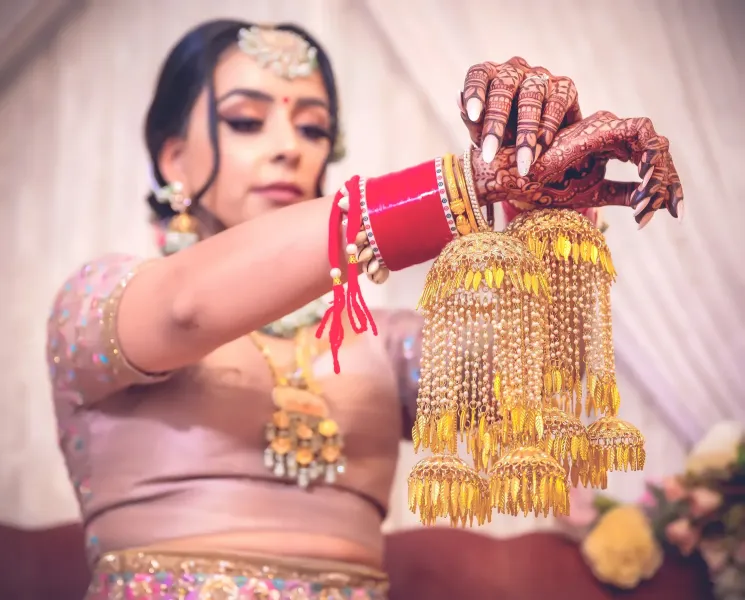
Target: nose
(286,145)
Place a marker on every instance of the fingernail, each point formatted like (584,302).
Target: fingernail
(524,160)
(646,179)
(643,170)
(473,108)
(642,205)
(645,220)
(489,148)
(681,208)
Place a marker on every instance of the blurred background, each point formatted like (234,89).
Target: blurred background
(76,77)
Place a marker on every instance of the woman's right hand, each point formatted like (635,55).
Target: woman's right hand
(571,171)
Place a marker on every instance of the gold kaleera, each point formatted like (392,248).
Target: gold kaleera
(581,272)
(444,486)
(528,480)
(614,445)
(485,304)
(565,438)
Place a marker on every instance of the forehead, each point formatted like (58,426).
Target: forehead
(238,70)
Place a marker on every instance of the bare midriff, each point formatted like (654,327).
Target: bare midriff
(272,543)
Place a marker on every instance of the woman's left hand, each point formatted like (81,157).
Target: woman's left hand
(571,172)
(545,103)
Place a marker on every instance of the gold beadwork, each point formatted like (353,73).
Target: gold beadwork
(578,262)
(615,445)
(485,304)
(528,480)
(445,486)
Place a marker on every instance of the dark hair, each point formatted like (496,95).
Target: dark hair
(186,72)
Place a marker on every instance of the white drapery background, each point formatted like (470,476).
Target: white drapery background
(73,174)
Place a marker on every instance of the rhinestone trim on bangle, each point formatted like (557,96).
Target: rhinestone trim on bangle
(367,225)
(444,198)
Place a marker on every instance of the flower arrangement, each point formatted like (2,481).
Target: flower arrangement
(701,510)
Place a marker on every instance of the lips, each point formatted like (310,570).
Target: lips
(280,193)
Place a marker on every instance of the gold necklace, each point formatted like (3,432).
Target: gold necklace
(304,443)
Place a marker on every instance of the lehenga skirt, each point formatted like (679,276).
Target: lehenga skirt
(142,576)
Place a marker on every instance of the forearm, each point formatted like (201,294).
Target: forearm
(186,305)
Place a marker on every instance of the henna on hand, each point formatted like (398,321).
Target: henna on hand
(544,103)
(571,172)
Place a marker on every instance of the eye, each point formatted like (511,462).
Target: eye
(244,125)
(314,132)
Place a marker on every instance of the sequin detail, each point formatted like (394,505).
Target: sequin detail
(85,360)
(137,576)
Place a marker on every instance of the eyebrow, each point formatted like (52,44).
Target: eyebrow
(264,97)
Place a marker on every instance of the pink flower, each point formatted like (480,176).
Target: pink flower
(704,501)
(583,512)
(673,489)
(647,499)
(682,534)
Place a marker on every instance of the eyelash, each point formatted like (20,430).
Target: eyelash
(248,126)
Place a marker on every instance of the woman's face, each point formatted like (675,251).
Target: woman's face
(273,138)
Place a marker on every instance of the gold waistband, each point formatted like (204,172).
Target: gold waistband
(158,576)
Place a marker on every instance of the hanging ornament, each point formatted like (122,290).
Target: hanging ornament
(581,272)
(445,486)
(565,438)
(528,480)
(614,445)
(485,305)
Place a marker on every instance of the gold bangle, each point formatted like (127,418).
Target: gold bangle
(457,204)
(464,194)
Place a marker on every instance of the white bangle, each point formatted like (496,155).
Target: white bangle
(471,189)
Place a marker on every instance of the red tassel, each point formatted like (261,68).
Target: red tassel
(356,306)
(334,313)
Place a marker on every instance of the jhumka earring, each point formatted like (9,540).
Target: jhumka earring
(578,262)
(182,230)
(485,337)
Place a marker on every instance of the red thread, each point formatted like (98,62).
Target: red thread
(359,313)
(334,313)
(407,216)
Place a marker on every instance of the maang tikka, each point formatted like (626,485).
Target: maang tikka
(182,230)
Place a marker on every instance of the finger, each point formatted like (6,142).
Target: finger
(562,96)
(658,200)
(474,129)
(529,105)
(675,189)
(474,89)
(502,90)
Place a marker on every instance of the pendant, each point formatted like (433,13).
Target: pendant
(304,445)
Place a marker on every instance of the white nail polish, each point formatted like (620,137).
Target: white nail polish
(474,108)
(646,179)
(524,160)
(645,220)
(642,205)
(681,210)
(489,148)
